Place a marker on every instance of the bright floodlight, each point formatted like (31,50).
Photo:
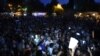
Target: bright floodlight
(78,34)
(73,43)
(69,28)
(83,41)
(25,14)
(32,36)
(39,14)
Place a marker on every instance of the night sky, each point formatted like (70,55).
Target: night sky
(45,2)
(60,1)
(97,1)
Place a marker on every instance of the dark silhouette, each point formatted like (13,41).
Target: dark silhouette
(36,5)
(50,6)
(71,3)
(3,3)
(84,5)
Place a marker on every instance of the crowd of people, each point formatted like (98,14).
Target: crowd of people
(39,36)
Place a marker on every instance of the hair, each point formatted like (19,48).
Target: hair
(85,54)
(82,53)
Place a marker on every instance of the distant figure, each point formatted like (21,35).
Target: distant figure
(39,52)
